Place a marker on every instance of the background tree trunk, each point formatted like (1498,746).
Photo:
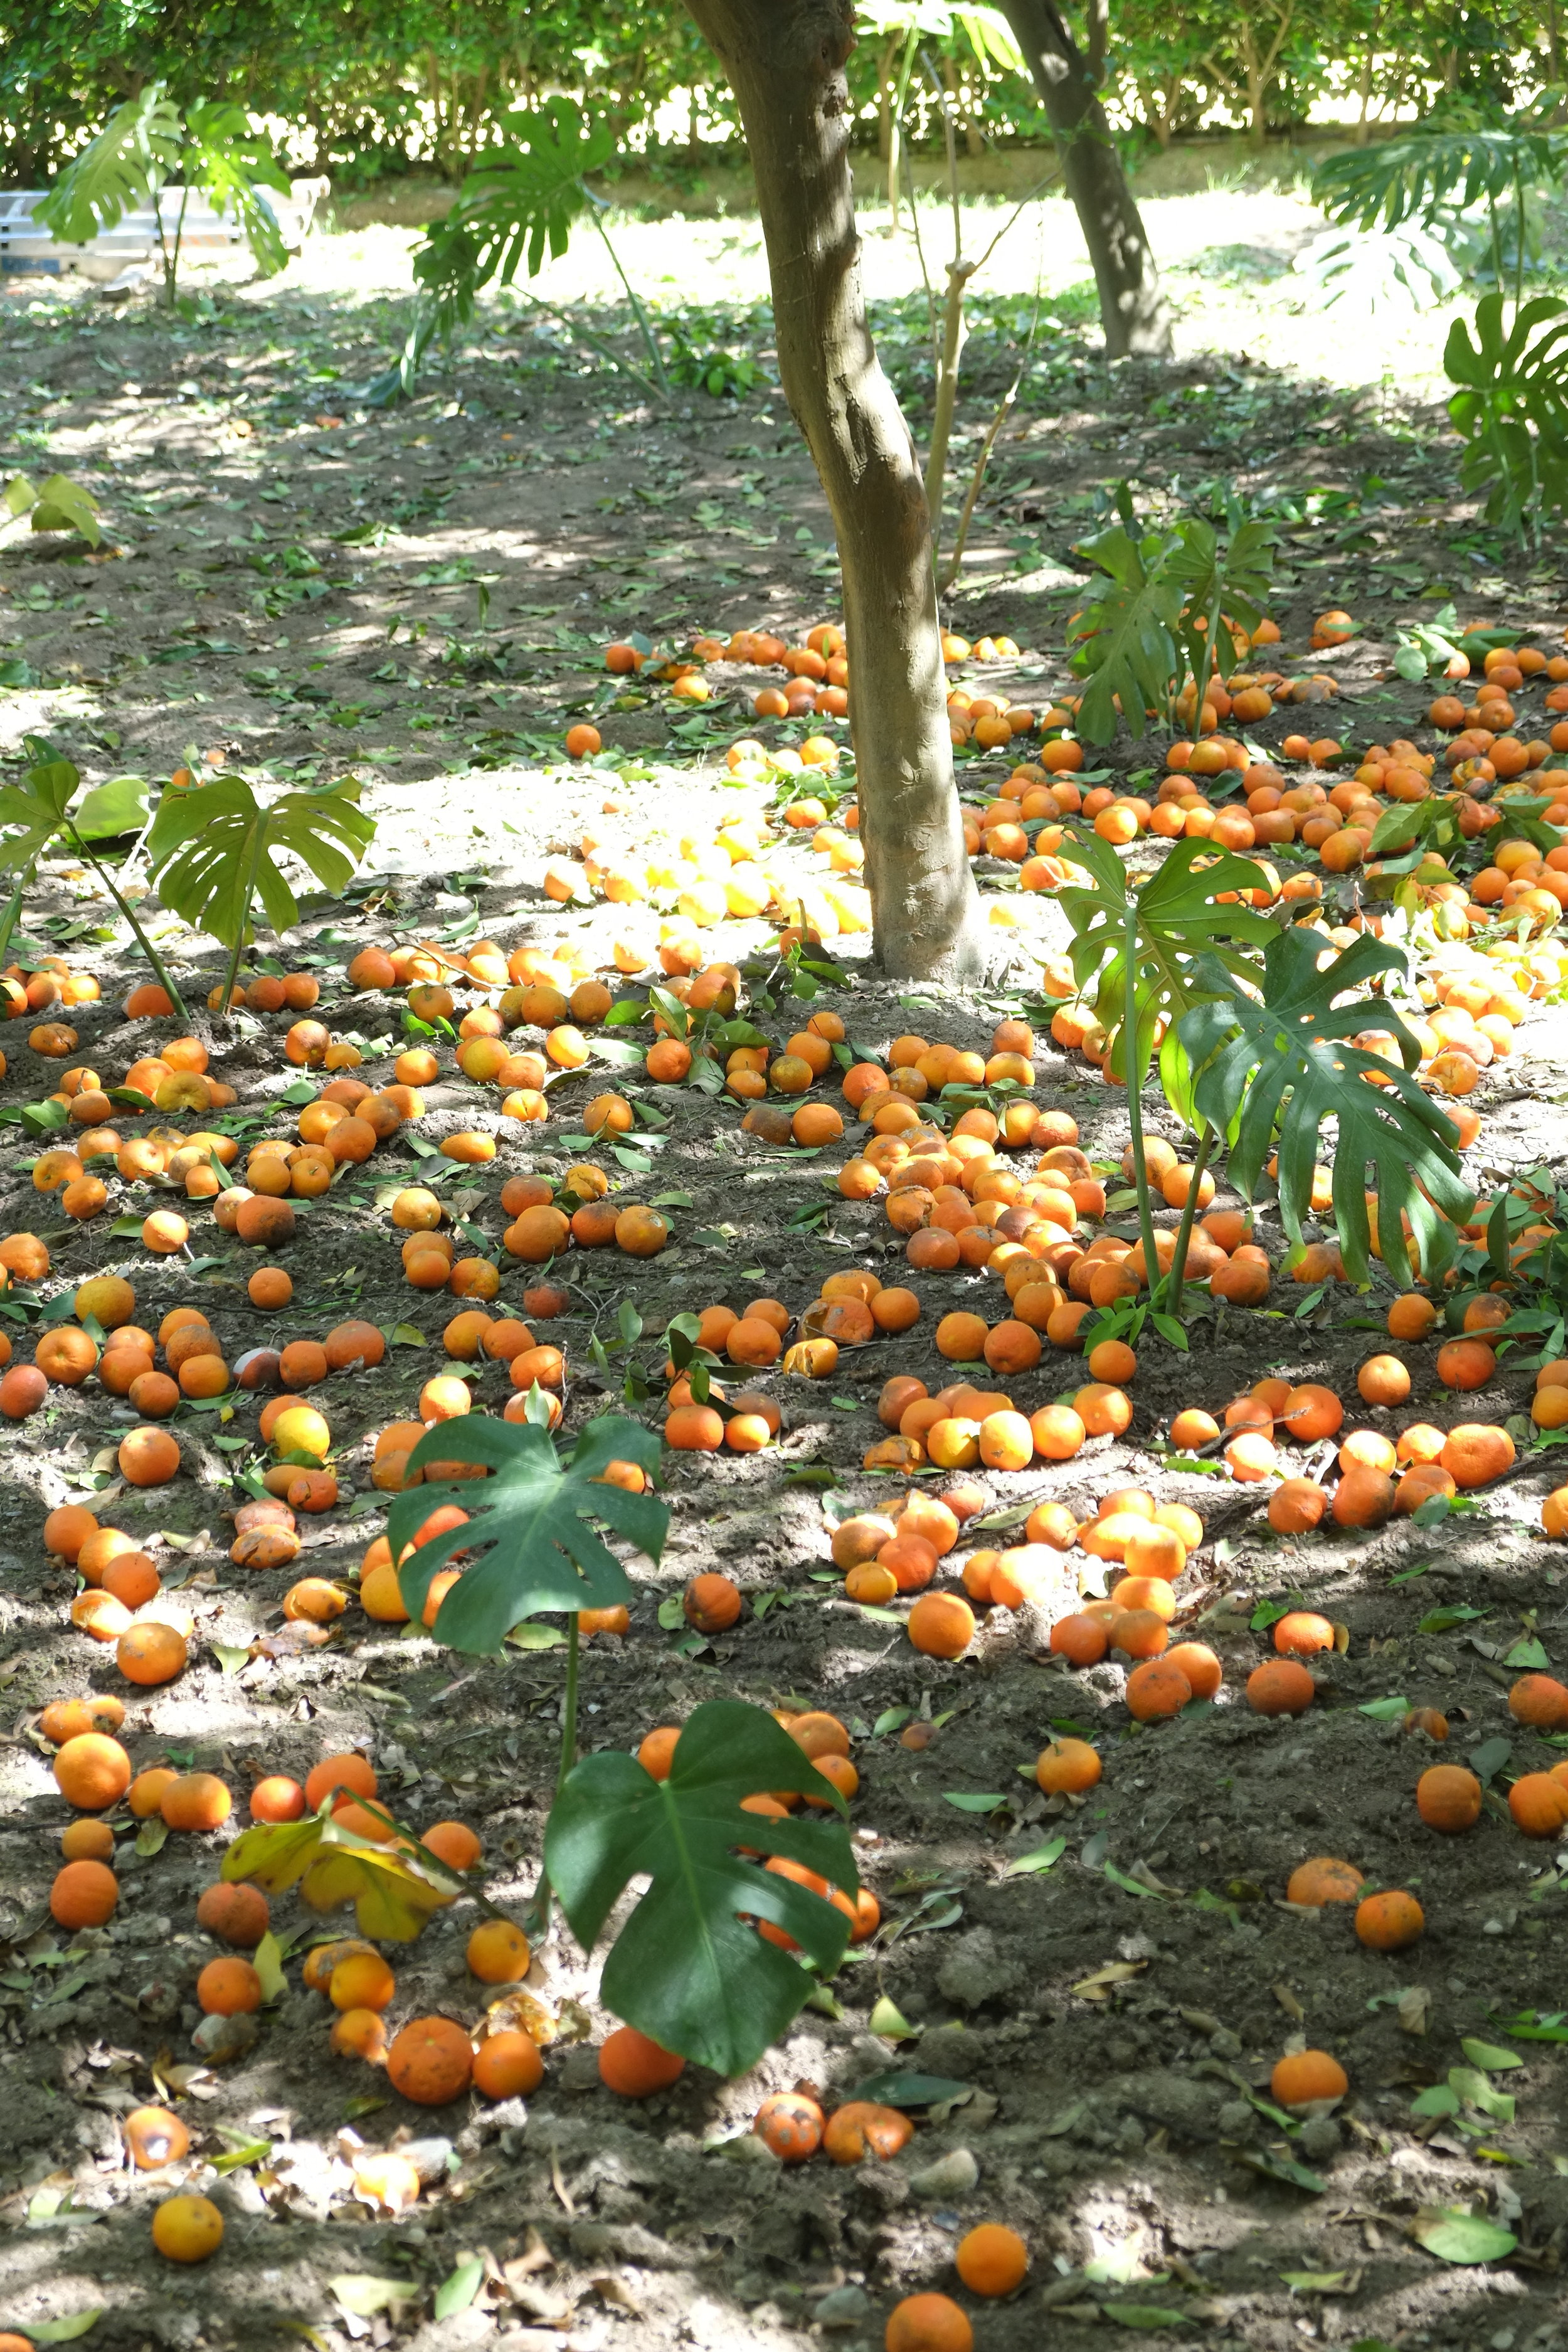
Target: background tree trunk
(784,59)
(1131,307)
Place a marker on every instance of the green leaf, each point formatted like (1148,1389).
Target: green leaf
(1386,1710)
(1492,1756)
(1438,2099)
(1443,1621)
(519,201)
(63,2331)
(528,1523)
(214,847)
(267,1959)
(1138,638)
(458,2288)
(1511,407)
(1283,1066)
(1473,2089)
(1043,1858)
(888,2022)
(232,165)
(1171,920)
(689,1968)
(1529,2027)
(1489,2058)
(973,1804)
(1146,2315)
(1281,2167)
(1129,1884)
(124,167)
(119,806)
(359,2293)
(65,505)
(38,805)
(1437,166)
(897,2089)
(1455,2236)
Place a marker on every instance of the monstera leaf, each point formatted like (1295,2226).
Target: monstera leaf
(393,1898)
(520,200)
(1284,1065)
(123,168)
(54,504)
(690,1967)
(214,847)
(528,1523)
(1159,612)
(1164,923)
(234,165)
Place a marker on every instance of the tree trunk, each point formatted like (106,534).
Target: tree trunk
(1257,123)
(1131,307)
(784,59)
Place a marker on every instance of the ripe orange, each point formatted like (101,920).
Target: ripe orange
(991,2260)
(928,2323)
(508,2065)
(1070,1766)
(1306,2077)
(187,2229)
(635,2067)
(92,1770)
(84,1895)
(1388,1922)
(1448,1797)
(499,1953)
(1280,1686)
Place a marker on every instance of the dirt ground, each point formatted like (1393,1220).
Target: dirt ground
(310,586)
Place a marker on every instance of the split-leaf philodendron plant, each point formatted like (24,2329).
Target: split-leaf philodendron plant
(690,1967)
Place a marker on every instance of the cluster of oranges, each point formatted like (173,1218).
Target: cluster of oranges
(430,2060)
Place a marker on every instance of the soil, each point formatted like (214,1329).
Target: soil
(1105,2024)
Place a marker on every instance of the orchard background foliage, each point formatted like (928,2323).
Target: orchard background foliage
(364,93)
(700,1647)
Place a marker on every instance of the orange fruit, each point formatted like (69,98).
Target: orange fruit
(1447,1798)
(928,2323)
(187,2229)
(635,2067)
(991,2260)
(431,2061)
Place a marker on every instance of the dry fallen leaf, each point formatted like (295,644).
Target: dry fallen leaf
(1100,1985)
(615,2291)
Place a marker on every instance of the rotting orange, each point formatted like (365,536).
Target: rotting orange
(1323,1880)
(431,2062)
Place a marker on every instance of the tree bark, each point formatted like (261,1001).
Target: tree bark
(1132,308)
(784,59)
